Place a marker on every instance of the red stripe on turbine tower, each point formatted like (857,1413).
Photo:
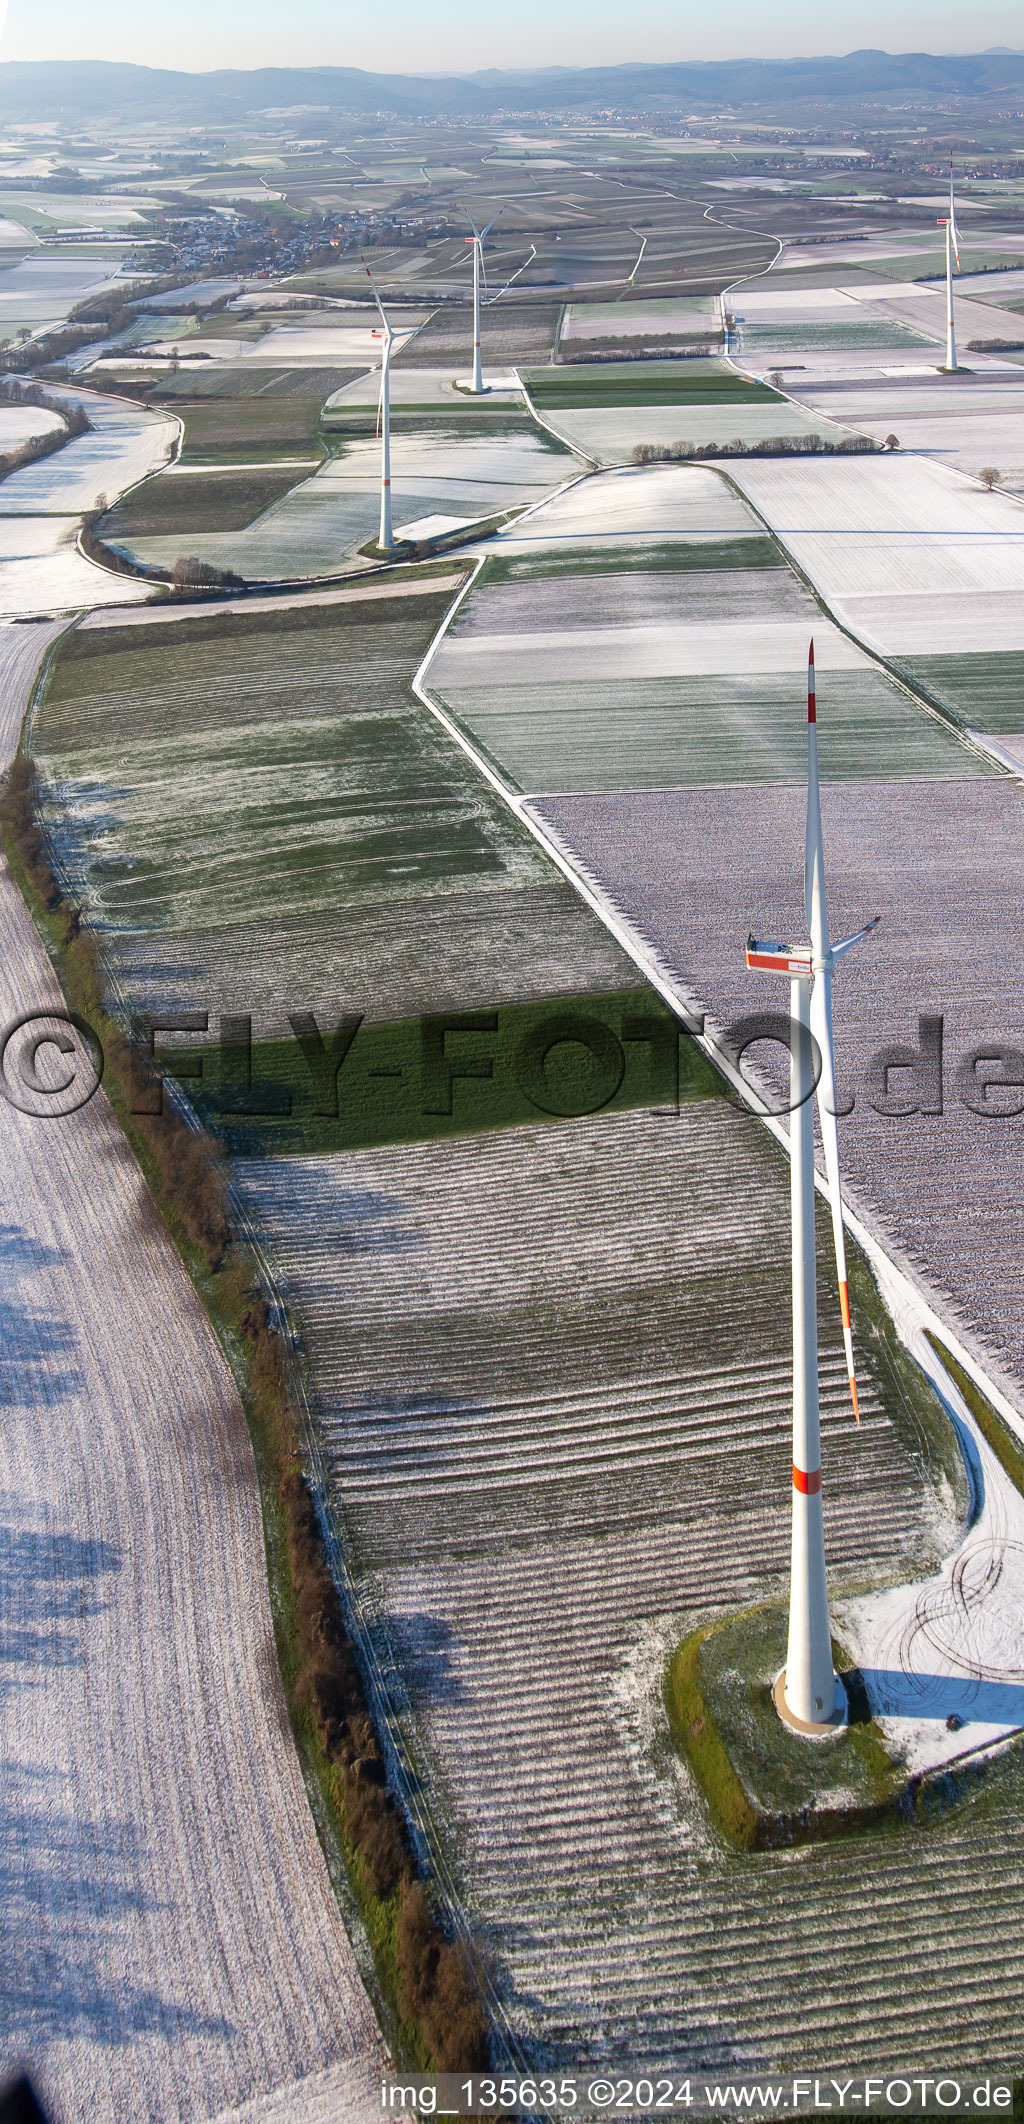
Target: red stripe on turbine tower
(808,1485)
(812,713)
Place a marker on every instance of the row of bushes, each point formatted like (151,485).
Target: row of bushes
(648,350)
(187,574)
(770,446)
(432,1984)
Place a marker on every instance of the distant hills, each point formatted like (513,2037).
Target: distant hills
(79,90)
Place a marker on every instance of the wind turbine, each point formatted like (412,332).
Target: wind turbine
(479,269)
(952,246)
(806,1693)
(388,336)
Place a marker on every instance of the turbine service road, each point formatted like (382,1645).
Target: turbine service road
(174,1948)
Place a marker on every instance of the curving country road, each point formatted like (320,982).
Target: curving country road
(173,1948)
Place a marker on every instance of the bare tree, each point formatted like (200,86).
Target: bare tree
(775,379)
(990,476)
(892,442)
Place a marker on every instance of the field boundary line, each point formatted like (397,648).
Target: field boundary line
(914,692)
(584,455)
(903,1281)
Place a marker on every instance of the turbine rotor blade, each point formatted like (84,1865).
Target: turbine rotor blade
(821,1029)
(376,297)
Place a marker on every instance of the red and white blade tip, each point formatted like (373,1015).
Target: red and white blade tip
(844,1306)
(811,708)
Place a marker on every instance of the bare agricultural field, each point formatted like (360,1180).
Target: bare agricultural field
(190,769)
(944,869)
(172,1943)
(984,691)
(511,332)
(877,534)
(176,503)
(529,1542)
(247,414)
(124,443)
(683,676)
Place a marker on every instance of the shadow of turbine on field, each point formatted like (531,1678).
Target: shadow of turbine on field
(427,1643)
(969,1699)
(49,1584)
(68,1883)
(31,1339)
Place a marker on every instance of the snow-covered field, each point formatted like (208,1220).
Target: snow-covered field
(18,424)
(904,550)
(322,521)
(660,501)
(41,569)
(531,1538)
(967,422)
(41,290)
(687,315)
(610,433)
(172,1944)
(124,443)
(417,387)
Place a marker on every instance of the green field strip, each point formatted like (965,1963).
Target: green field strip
(224,500)
(661,733)
(575,387)
(749,550)
(985,691)
(201,772)
(859,332)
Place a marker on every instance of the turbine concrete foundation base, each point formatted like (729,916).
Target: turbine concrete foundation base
(835,1724)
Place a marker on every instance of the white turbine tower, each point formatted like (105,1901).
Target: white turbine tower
(385,537)
(479,272)
(952,247)
(389,337)
(806,1693)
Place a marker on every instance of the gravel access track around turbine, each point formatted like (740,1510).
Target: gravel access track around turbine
(173,1946)
(944,865)
(530,1537)
(260,818)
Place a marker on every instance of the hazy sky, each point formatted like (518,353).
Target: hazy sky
(434,36)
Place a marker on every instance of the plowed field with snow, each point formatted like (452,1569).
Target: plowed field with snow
(529,1538)
(172,1942)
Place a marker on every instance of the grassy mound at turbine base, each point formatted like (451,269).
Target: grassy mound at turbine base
(766,1786)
